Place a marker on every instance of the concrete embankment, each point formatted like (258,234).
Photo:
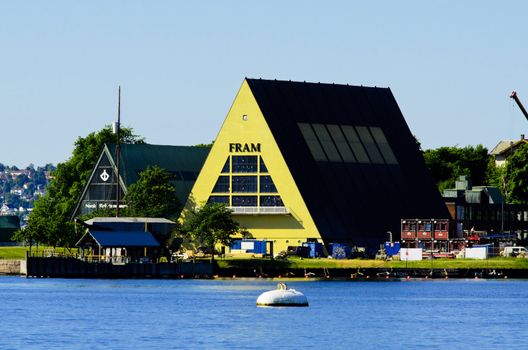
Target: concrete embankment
(12,267)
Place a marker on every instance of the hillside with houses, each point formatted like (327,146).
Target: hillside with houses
(19,188)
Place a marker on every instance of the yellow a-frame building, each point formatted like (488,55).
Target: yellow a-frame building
(299,162)
(246,170)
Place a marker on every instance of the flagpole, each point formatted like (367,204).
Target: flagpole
(118,150)
(505,194)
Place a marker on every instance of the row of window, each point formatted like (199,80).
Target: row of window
(244,164)
(244,184)
(479,214)
(248,201)
(439,226)
(346,143)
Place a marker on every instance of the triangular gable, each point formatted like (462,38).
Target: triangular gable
(245,136)
(102,181)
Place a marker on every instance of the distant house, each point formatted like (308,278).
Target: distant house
(506,148)
(482,208)
(183,162)
(5,210)
(124,239)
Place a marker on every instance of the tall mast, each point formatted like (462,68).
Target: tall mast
(118,150)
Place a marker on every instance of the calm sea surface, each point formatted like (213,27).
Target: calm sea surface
(221,314)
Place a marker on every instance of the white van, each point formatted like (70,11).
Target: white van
(515,251)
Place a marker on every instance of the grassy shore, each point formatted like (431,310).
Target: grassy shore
(298,263)
(19,253)
(295,263)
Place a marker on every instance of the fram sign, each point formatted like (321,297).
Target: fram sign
(244,147)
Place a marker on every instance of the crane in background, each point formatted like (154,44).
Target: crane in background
(514,96)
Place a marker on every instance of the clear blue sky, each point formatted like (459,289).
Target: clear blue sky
(450,64)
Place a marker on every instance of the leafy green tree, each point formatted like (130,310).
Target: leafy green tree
(153,195)
(49,221)
(210,225)
(448,163)
(516,175)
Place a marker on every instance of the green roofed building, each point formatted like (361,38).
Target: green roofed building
(8,225)
(183,162)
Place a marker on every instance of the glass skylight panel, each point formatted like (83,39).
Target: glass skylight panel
(341,143)
(370,145)
(312,142)
(355,144)
(383,145)
(326,141)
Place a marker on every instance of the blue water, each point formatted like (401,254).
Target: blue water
(221,314)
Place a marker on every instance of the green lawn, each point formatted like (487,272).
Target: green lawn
(502,263)
(294,262)
(19,253)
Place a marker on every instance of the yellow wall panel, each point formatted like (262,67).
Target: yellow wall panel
(245,124)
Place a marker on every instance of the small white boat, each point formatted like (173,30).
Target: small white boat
(282,296)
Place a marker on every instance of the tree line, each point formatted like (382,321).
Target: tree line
(446,164)
(153,195)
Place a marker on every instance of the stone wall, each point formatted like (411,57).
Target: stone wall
(10,267)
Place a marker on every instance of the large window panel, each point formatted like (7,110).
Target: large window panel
(263,167)
(222,185)
(341,143)
(226,167)
(244,201)
(244,164)
(267,185)
(244,184)
(383,145)
(370,145)
(326,142)
(355,144)
(271,201)
(312,142)
(218,199)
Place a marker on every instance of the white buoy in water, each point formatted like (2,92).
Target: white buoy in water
(282,296)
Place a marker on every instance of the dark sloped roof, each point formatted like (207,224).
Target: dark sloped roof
(121,239)
(349,200)
(9,221)
(184,162)
(8,225)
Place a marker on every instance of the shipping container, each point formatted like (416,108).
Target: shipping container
(411,254)
(392,248)
(408,229)
(441,229)
(341,251)
(425,229)
(316,249)
(249,246)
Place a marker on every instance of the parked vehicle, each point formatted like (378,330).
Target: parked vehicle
(515,251)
